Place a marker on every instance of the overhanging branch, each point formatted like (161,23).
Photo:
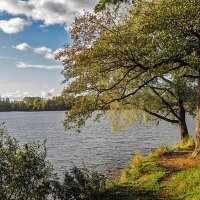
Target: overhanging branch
(161,117)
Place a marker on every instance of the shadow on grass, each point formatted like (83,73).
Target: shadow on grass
(128,192)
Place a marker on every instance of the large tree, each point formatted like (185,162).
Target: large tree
(102,4)
(111,61)
(175,26)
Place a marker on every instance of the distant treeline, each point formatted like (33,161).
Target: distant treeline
(33,104)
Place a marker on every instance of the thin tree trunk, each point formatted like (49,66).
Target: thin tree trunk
(182,122)
(184,131)
(180,117)
(197,148)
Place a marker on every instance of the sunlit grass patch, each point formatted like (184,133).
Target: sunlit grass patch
(187,144)
(159,151)
(132,169)
(186,184)
(137,159)
(151,181)
(137,182)
(123,178)
(146,174)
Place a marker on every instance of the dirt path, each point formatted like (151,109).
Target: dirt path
(175,162)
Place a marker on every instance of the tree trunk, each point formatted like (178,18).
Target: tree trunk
(182,122)
(183,130)
(197,148)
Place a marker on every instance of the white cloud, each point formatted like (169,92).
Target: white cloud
(18,95)
(47,94)
(22,47)
(52,90)
(66,28)
(49,67)
(13,25)
(49,11)
(44,51)
(57,50)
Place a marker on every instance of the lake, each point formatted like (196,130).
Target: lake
(96,147)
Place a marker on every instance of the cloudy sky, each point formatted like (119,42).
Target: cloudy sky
(31,31)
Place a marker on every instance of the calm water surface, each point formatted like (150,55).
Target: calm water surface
(96,146)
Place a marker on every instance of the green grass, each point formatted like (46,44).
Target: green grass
(185,185)
(128,192)
(142,179)
(159,151)
(138,180)
(187,144)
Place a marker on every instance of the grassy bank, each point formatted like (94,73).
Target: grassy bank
(166,173)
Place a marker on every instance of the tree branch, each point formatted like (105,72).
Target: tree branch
(166,103)
(196,34)
(132,93)
(190,76)
(161,117)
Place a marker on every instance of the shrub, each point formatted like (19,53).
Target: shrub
(24,173)
(80,184)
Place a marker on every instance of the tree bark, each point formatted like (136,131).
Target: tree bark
(182,122)
(197,148)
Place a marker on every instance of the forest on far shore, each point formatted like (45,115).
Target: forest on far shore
(33,104)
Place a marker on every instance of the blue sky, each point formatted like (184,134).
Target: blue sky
(31,31)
